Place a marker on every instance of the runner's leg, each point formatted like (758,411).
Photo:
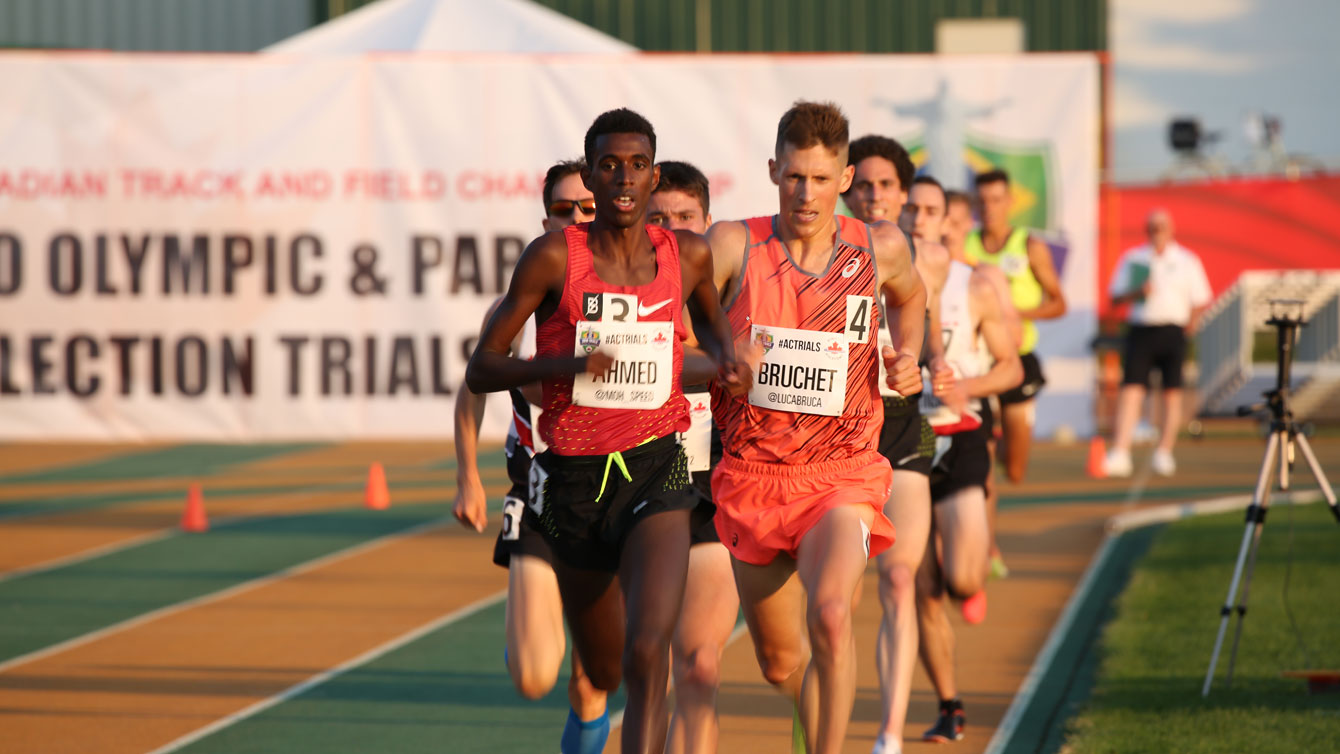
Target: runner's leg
(1017,420)
(534,625)
(773,602)
(708,617)
(937,636)
(909,508)
(652,572)
(960,518)
(830,562)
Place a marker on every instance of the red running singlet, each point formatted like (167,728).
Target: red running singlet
(803,424)
(572,429)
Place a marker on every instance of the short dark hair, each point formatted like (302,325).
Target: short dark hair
(558,172)
(620,121)
(995,175)
(681,176)
(957,197)
(808,124)
(926,180)
(882,146)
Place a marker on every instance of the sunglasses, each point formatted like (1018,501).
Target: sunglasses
(565,207)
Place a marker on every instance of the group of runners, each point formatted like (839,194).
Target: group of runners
(711,418)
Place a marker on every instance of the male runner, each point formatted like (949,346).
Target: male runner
(682,201)
(801,484)
(611,492)
(971,319)
(953,210)
(1036,292)
(957,224)
(534,617)
(883,171)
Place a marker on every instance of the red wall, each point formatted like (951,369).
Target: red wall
(1233,225)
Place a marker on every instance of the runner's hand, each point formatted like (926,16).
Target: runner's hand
(737,377)
(904,374)
(471,506)
(946,387)
(598,362)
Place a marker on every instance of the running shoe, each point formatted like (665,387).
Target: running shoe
(974,608)
(949,725)
(1163,463)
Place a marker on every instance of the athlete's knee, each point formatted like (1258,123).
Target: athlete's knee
(779,663)
(643,654)
(964,583)
(701,669)
(532,679)
(897,582)
(830,624)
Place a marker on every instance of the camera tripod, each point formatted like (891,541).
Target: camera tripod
(1284,437)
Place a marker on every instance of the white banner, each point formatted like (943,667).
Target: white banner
(263,248)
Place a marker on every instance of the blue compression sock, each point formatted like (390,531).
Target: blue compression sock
(585,737)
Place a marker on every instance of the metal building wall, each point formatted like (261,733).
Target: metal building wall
(830,25)
(159,25)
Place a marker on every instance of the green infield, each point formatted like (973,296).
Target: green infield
(1152,655)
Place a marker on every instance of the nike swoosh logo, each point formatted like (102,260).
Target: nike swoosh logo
(642,504)
(643,311)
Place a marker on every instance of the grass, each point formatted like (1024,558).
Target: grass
(1153,654)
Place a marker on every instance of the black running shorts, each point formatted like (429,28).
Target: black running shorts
(906,439)
(1032,384)
(704,530)
(517,537)
(589,533)
(964,463)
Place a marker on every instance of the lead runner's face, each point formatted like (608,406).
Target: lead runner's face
(809,181)
(622,177)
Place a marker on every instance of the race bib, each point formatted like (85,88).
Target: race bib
(643,368)
(803,371)
(511,518)
(697,441)
(535,489)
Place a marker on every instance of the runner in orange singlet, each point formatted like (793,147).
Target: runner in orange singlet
(801,484)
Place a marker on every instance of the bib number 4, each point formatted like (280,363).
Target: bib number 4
(860,318)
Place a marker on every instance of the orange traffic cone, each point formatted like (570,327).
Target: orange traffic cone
(193,519)
(1097,458)
(376,496)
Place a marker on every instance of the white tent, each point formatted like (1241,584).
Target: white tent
(450,26)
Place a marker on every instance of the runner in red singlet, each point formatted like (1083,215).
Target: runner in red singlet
(610,493)
(801,484)
(533,624)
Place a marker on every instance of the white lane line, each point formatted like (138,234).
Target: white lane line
(231,591)
(326,675)
(1022,698)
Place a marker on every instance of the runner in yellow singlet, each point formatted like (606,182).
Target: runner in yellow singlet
(1036,291)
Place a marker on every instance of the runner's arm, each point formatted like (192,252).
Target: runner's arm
(1014,324)
(704,303)
(932,261)
(471,504)
(1007,371)
(1053,300)
(539,276)
(904,304)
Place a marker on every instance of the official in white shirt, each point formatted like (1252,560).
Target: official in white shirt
(1165,285)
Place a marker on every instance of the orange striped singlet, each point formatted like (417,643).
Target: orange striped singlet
(815,396)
